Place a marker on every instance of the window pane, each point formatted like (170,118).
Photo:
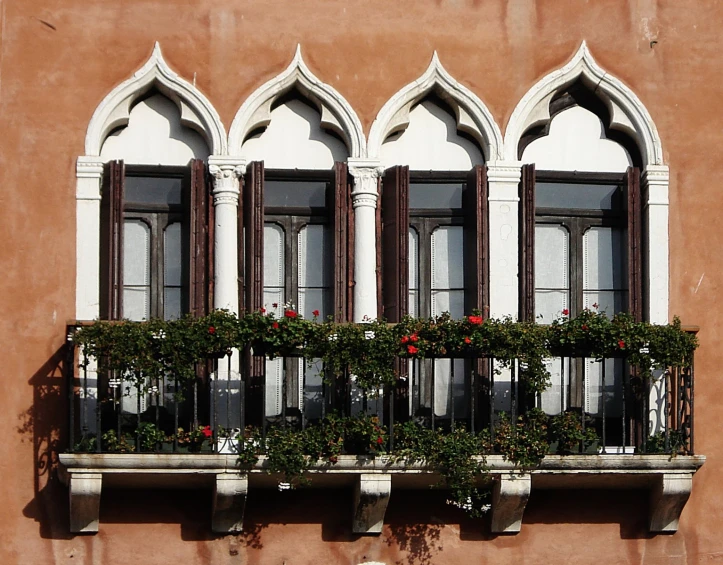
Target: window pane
(445,390)
(136,270)
(447,258)
(153,190)
(173,261)
(435,195)
(605,269)
(552,283)
(413,272)
(302,194)
(172,303)
(578,196)
(315,270)
(273,268)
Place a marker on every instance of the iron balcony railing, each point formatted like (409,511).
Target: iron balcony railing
(127,412)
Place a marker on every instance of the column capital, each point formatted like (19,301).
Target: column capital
(89,166)
(504,171)
(366,173)
(226,172)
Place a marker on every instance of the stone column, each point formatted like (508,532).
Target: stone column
(504,180)
(366,175)
(226,173)
(655,181)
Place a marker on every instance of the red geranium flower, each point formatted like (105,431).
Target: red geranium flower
(290,314)
(595,306)
(262,310)
(475,319)
(380,440)
(404,339)
(414,337)
(565,312)
(467,340)
(411,349)
(275,305)
(315,313)
(211,330)
(621,344)
(584,327)
(207,431)
(275,325)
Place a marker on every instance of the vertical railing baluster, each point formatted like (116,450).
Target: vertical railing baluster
(175,413)
(302,405)
(84,422)
(98,416)
(119,406)
(195,398)
(472,393)
(584,398)
(604,402)
(679,372)
(491,395)
(242,395)
(646,414)
(433,397)
(562,385)
(70,383)
(691,380)
(451,390)
(513,394)
(214,388)
(625,391)
(284,390)
(666,423)
(159,389)
(228,400)
(263,398)
(391,416)
(138,410)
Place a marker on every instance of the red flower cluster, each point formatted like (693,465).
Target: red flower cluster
(380,440)
(584,327)
(621,344)
(412,350)
(211,330)
(315,313)
(477,320)
(467,340)
(262,310)
(405,339)
(566,312)
(207,431)
(414,338)
(275,325)
(290,314)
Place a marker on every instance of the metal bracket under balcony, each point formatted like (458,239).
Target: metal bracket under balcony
(668,479)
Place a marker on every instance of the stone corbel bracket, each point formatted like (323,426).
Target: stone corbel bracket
(509,499)
(667,500)
(371,498)
(229,502)
(85,502)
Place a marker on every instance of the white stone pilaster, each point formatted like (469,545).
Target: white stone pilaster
(89,174)
(226,172)
(366,175)
(504,179)
(655,183)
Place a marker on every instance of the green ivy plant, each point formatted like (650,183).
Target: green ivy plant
(567,433)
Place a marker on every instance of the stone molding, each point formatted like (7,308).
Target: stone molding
(668,478)
(366,175)
(627,112)
(196,110)
(336,113)
(226,172)
(473,117)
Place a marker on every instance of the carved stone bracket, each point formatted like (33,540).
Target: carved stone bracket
(371,497)
(85,502)
(229,503)
(667,499)
(509,498)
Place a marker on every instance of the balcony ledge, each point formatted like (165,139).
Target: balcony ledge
(669,480)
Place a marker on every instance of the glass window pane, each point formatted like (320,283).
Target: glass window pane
(136,303)
(173,260)
(603,257)
(136,253)
(315,248)
(273,256)
(153,190)
(172,303)
(447,258)
(413,272)
(303,194)
(578,196)
(435,195)
(450,388)
(451,301)
(551,257)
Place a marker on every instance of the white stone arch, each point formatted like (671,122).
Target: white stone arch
(627,112)
(337,114)
(470,112)
(197,112)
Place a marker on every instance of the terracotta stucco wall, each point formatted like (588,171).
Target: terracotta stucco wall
(58,59)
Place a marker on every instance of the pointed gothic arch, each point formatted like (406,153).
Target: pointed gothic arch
(471,114)
(625,111)
(337,115)
(196,110)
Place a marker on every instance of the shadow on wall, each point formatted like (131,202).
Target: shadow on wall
(43,425)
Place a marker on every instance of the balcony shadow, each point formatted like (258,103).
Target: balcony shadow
(41,425)
(628,508)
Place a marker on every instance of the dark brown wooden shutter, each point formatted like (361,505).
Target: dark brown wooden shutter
(395,243)
(253,222)
(476,255)
(111,241)
(350,227)
(527,244)
(338,205)
(198,218)
(635,247)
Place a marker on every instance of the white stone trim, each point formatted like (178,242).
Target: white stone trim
(503,178)
(472,115)
(366,173)
(655,184)
(89,174)
(336,113)
(196,110)
(627,112)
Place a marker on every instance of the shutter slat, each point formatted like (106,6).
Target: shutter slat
(527,244)
(340,211)
(253,216)
(635,238)
(197,214)
(395,243)
(111,287)
(476,250)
